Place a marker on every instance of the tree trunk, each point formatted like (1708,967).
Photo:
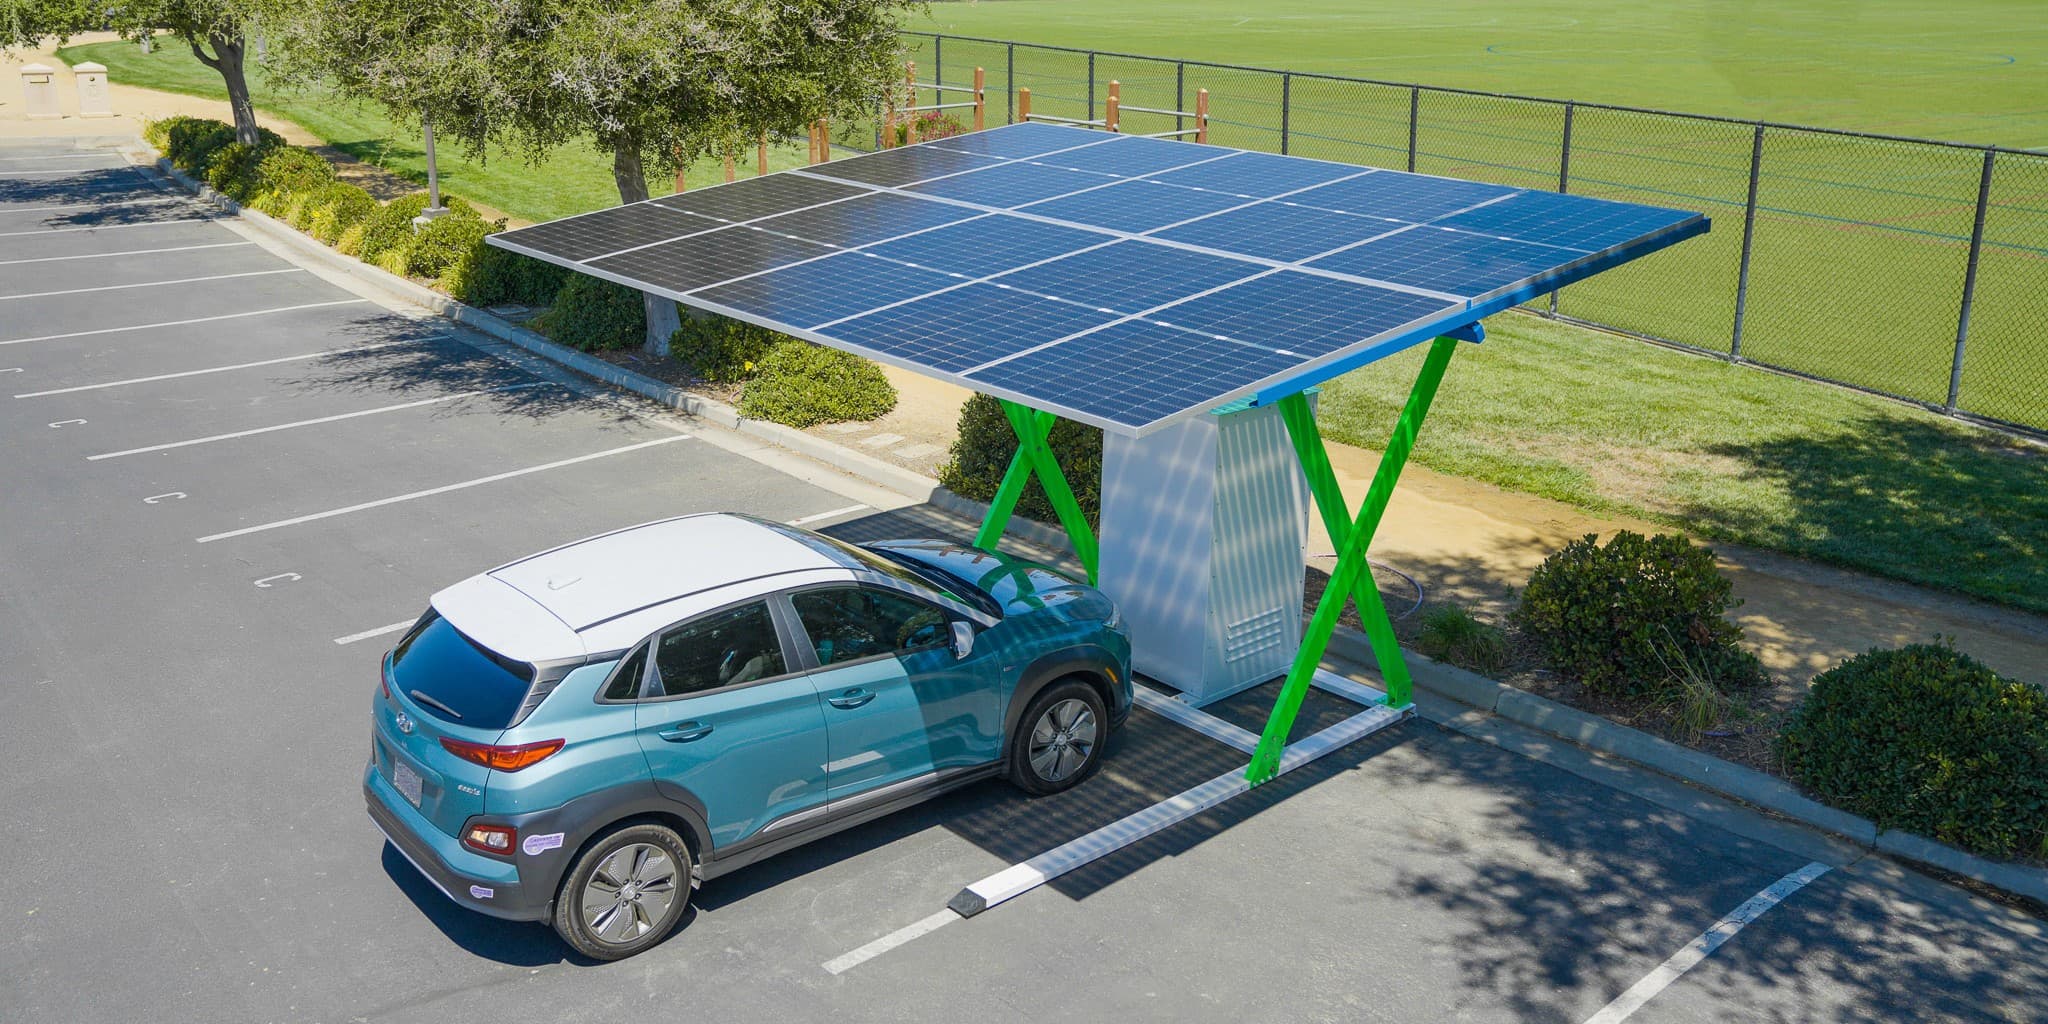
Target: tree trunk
(663,319)
(227,59)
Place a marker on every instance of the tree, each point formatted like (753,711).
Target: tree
(654,83)
(221,25)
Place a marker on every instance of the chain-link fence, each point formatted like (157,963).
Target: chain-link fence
(1911,268)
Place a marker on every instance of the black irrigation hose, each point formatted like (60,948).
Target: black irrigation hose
(1413,608)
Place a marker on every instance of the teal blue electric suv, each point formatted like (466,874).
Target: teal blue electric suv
(583,736)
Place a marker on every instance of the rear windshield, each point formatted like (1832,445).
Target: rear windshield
(455,679)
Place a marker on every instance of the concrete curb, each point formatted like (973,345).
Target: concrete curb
(1432,677)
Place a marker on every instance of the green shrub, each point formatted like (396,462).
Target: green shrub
(158,132)
(190,142)
(1929,740)
(595,315)
(390,226)
(395,259)
(1451,634)
(336,208)
(233,172)
(723,350)
(800,385)
(443,240)
(1622,618)
(350,242)
(288,169)
(981,453)
(487,275)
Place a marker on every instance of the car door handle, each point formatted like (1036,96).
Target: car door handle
(684,732)
(851,698)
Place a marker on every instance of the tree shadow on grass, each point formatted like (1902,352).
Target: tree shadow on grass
(1906,497)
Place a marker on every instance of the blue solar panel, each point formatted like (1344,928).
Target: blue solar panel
(1135,372)
(809,294)
(978,248)
(1011,185)
(1124,301)
(1130,277)
(1407,197)
(1574,221)
(1284,233)
(1134,206)
(964,328)
(1130,156)
(1448,261)
(1301,313)
(1257,174)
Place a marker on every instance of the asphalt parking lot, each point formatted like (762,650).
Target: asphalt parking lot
(226,476)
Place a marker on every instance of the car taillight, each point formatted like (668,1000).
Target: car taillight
(504,759)
(490,838)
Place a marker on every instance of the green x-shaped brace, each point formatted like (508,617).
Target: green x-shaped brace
(1351,538)
(1034,457)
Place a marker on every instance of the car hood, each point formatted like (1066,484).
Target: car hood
(1019,585)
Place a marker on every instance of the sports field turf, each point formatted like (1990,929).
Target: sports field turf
(1970,70)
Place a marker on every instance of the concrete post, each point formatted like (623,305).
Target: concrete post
(39,92)
(93,98)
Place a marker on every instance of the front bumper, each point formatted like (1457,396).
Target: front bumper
(472,880)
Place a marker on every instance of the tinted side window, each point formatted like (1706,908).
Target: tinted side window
(851,623)
(625,684)
(725,648)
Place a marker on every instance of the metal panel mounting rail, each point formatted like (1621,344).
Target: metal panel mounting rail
(1117,280)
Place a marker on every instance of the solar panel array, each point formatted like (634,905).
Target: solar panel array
(1118,280)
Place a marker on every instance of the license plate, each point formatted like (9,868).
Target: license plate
(406,781)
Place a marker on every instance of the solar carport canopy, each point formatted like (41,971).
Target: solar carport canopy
(1113,279)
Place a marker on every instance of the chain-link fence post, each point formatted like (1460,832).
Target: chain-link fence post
(1564,173)
(1286,102)
(1955,371)
(938,67)
(1180,94)
(1010,84)
(1091,85)
(1414,113)
(1756,161)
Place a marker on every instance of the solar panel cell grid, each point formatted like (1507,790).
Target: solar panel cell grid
(1020,140)
(964,328)
(895,168)
(1256,174)
(1450,261)
(1284,233)
(1133,155)
(708,259)
(1134,206)
(1131,277)
(820,291)
(978,248)
(759,197)
(1406,197)
(1135,372)
(1575,221)
(1302,313)
(865,219)
(1011,185)
(606,231)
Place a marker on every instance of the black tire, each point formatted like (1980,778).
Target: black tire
(631,923)
(1039,763)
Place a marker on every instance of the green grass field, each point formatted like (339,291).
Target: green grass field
(1970,70)
(575,179)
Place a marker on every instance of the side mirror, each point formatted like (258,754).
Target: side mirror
(963,639)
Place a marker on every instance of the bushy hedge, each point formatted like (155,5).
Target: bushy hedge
(443,240)
(982,452)
(390,227)
(1929,740)
(336,208)
(1626,618)
(190,142)
(487,276)
(595,315)
(232,171)
(723,350)
(285,174)
(800,384)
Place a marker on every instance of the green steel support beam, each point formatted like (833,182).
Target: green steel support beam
(1351,566)
(1329,499)
(1034,457)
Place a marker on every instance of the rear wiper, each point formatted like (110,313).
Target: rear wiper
(431,702)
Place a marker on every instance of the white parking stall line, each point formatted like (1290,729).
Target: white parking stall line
(848,961)
(1704,946)
(153,284)
(822,516)
(124,252)
(436,400)
(234,366)
(108,227)
(60,170)
(369,633)
(182,323)
(431,491)
(53,156)
(1195,718)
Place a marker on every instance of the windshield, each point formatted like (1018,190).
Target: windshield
(952,586)
(455,679)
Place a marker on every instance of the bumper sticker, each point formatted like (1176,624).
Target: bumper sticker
(537,844)
(482,893)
